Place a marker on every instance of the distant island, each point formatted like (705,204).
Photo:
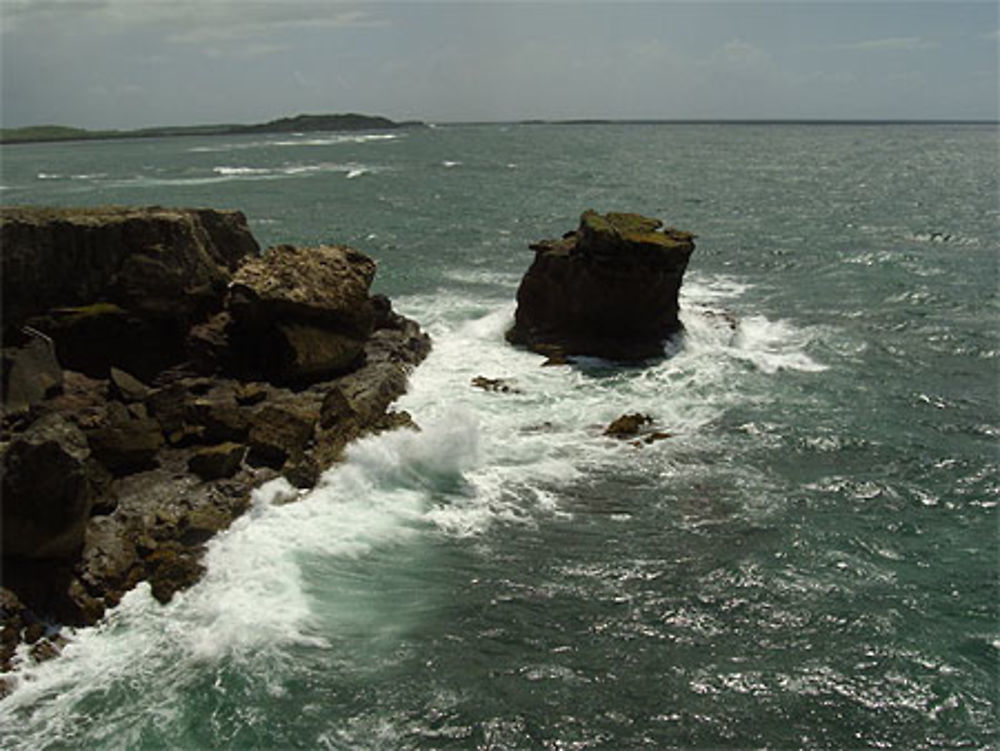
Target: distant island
(297,124)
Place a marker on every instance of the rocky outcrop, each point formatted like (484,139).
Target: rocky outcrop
(97,280)
(607,289)
(156,370)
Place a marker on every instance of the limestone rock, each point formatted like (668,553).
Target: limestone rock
(327,284)
(496,385)
(171,569)
(216,462)
(608,289)
(280,431)
(165,262)
(30,374)
(627,425)
(125,443)
(127,387)
(47,491)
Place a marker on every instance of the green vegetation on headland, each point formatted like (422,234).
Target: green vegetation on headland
(297,124)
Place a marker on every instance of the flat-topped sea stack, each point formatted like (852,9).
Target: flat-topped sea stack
(607,289)
(156,368)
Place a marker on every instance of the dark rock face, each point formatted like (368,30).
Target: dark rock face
(156,370)
(107,274)
(47,490)
(607,289)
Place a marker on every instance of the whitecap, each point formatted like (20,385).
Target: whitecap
(242,171)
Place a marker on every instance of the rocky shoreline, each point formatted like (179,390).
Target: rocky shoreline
(156,368)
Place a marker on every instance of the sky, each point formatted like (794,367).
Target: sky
(137,63)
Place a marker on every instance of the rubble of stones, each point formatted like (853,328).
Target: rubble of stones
(156,368)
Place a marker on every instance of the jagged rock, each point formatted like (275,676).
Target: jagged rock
(216,462)
(125,443)
(171,569)
(208,344)
(302,470)
(248,394)
(126,386)
(30,374)
(310,352)
(288,375)
(496,385)
(154,261)
(638,426)
(219,415)
(47,490)
(109,563)
(200,524)
(627,425)
(327,284)
(12,621)
(608,289)
(280,431)
(299,314)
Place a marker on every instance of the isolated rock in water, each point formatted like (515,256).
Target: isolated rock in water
(47,493)
(628,425)
(496,385)
(608,289)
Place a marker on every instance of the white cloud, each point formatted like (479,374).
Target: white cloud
(888,44)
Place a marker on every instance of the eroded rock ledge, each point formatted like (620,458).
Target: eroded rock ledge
(157,368)
(607,289)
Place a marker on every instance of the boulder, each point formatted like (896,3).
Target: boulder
(47,490)
(127,387)
(172,568)
(281,430)
(627,425)
(607,289)
(30,374)
(311,352)
(326,285)
(216,462)
(124,442)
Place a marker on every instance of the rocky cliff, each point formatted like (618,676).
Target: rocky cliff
(156,368)
(607,289)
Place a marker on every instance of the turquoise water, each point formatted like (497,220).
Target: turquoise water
(811,560)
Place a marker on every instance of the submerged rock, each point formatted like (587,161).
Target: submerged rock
(607,289)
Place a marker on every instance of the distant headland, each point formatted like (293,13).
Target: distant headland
(297,124)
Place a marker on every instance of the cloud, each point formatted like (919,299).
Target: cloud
(188,21)
(888,44)
(267,19)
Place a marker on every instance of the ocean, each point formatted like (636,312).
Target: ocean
(810,560)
